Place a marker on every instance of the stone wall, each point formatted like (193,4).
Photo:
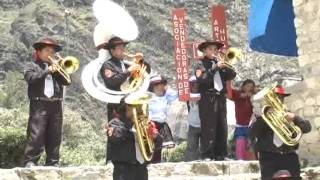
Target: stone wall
(228,170)
(306,95)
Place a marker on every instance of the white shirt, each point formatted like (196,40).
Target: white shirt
(158,105)
(193,115)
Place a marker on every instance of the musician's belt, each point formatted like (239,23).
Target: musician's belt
(214,92)
(46,99)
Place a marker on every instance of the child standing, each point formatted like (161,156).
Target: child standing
(162,98)
(243,108)
(194,132)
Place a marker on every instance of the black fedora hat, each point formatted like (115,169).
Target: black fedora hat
(47,42)
(115,41)
(205,44)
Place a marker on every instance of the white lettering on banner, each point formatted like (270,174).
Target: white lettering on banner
(180,37)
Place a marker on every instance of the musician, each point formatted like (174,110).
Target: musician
(45,91)
(125,157)
(114,71)
(274,155)
(212,74)
(158,105)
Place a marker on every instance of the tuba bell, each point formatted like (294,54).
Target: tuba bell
(274,114)
(105,11)
(66,66)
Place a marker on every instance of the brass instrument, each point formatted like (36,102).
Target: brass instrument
(139,106)
(66,66)
(137,77)
(230,56)
(274,114)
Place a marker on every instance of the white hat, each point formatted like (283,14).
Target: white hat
(101,34)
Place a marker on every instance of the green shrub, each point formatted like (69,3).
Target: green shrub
(12,142)
(175,154)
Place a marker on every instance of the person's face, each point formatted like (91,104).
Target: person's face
(118,51)
(248,88)
(159,89)
(211,51)
(129,113)
(194,87)
(45,52)
(281,97)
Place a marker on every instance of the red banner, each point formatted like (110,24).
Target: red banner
(219,30)
(219,25)
(180,45)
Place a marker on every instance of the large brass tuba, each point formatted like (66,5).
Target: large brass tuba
(66,66)
(274,114)
(105,11)
(138,103)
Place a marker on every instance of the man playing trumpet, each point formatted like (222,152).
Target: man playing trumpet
(212,73)
(45,91)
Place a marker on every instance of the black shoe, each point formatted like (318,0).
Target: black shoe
(220,158)
(30,164)
(54,165)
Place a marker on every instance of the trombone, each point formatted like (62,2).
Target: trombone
(230,57)
(65,66)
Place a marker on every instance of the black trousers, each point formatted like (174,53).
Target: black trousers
(270,163)
(165,136)
(44,131)
(214,130)
(128,171)
(192,151)
(112,110)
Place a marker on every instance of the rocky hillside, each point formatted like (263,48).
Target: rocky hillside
(24,21)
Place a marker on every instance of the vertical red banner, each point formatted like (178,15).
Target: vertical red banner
(180,46)
(219,31)
(219,25)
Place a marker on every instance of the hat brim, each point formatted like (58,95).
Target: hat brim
(204,45)
(40,45)
(109,46)
(163,81)
(285,95)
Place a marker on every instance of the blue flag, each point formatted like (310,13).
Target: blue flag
(271,27)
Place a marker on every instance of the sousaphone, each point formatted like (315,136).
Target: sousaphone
(113,21)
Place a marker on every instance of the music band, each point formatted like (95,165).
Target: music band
(137,127)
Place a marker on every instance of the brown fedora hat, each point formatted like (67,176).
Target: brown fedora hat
(47,42)
(205,44)
(115,41)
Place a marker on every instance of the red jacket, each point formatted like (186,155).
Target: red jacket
(243,108)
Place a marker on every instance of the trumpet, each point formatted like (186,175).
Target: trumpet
(66,66)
